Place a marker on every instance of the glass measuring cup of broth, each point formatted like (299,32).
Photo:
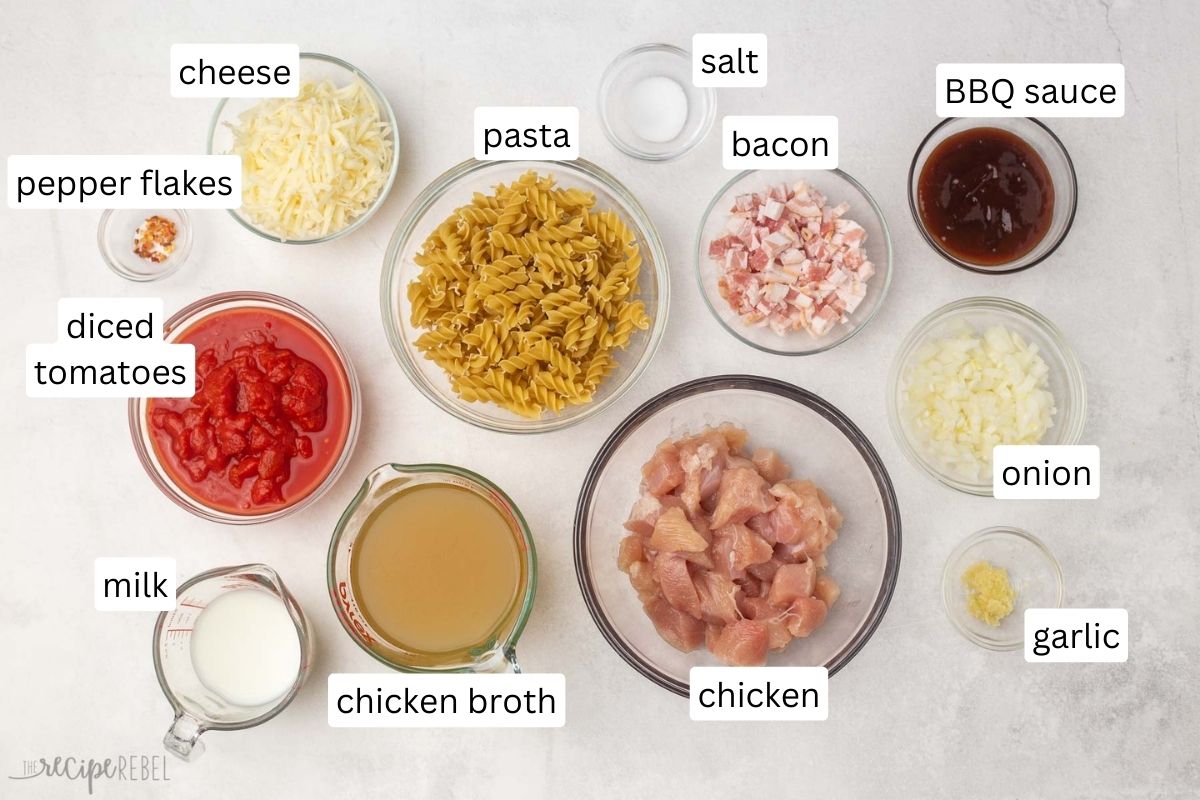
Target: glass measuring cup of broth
(231,655)
(432,568)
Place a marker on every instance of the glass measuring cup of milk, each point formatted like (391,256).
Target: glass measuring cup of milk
(197,707)
(491,651)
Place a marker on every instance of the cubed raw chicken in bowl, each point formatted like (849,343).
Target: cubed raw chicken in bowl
(736,520)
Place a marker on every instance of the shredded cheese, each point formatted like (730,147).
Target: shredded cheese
(965,394)
(313,163)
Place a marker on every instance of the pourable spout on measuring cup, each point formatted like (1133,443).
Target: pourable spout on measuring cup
(439,499)
(231,655)
(499,661)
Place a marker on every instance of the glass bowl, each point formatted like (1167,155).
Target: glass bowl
(1032,570)
(820,443)
(838,187)
(116,235)
(313,66)
(1065,381)
(649,61)
(454,188)
(1057,160)
(178,324)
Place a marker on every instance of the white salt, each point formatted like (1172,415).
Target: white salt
(657,109)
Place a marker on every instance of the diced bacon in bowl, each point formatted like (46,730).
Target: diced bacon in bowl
(790,261)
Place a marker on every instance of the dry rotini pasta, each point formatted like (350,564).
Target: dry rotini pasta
(525,293)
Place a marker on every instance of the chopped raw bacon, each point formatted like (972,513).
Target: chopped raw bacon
(791,261)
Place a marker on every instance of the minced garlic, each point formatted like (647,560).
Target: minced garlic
(990,595)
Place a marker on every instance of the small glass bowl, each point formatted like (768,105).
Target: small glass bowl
(838,187)
(1057,160)
(454,188)
(318,67)
(183,320)
(648,61)
(1065,380)
(117,233)
(811,435)
(1032,570)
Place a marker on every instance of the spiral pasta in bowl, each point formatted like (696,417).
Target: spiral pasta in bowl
(524,296)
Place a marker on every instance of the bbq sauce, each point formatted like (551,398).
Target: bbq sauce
(986,196)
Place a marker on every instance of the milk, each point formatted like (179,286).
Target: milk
(245,647)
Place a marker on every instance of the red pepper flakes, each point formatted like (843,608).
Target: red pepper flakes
(154,239)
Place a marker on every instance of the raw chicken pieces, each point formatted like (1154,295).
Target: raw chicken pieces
(726,551)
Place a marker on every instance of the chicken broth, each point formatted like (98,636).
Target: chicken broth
(437,571)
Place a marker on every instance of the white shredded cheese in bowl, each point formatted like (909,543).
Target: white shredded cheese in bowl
(314,163)
(964,394)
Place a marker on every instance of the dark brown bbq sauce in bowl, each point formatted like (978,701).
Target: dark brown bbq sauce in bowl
(985,196)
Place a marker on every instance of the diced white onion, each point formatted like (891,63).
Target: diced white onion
(963,394)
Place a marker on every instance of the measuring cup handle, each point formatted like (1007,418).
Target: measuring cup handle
(183,737)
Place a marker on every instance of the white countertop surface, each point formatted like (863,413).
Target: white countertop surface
(919,712)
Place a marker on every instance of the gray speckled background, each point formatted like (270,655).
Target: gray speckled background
(920,712)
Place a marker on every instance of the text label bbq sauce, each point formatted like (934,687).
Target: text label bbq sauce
(986,196)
